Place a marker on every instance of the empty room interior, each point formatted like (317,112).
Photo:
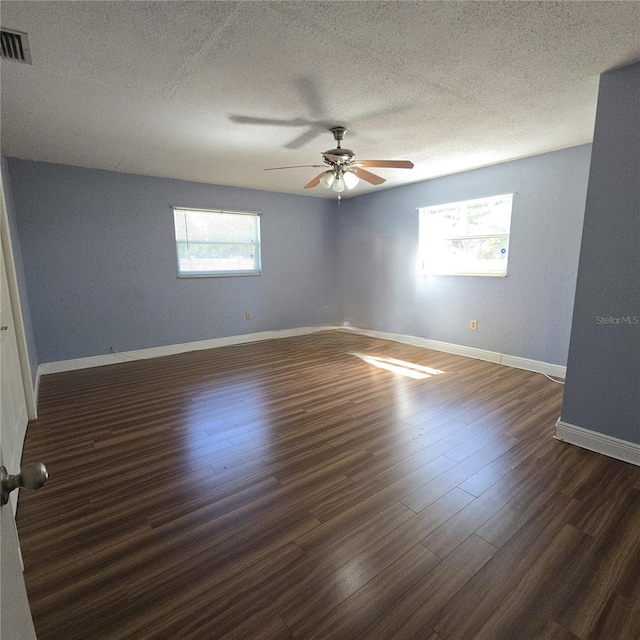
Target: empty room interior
(320,320)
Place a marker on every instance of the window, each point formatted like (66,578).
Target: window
(217,243)
(465,238)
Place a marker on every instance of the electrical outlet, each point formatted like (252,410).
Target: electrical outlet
(248,315)
(473,325)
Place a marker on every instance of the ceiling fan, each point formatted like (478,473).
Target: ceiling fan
(344,171)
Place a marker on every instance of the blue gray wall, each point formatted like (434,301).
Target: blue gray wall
(100,262)
(19,266)
(526,314)
(602,390)
(99,259)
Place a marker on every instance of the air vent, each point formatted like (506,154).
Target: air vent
(15,46)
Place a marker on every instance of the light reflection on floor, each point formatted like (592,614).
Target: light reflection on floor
(234,415)
(401,367)
(223,417)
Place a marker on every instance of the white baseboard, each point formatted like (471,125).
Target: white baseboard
(598,442)
(172,349)
(538,366)
(555,370)
(169,350)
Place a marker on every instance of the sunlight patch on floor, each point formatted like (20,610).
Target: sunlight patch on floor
(401,367)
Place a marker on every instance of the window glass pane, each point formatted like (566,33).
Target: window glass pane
(470,237)
(180,220)
(473,217)
(469,255)
(218,227)
(204,257)
(490,216)
(214,242)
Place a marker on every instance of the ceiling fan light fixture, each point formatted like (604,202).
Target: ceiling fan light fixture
(350,179)
(338,184)
(327,179)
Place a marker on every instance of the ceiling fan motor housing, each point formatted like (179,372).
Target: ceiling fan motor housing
(339,156)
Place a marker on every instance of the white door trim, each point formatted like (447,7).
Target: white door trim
(18,321)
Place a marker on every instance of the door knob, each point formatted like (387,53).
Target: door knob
(31,476)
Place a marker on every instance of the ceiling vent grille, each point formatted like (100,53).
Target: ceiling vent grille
(15,46)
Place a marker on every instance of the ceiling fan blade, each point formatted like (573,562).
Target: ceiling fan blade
(315,182)
(387,111)
(388,164)
(311,94)
(367,176)
(294,122)
(297,166)
(302,139)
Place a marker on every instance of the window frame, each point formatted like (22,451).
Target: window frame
(219,273)
(424,270)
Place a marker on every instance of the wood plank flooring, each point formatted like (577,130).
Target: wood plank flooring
(294,489)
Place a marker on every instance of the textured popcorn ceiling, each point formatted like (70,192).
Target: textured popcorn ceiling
(160,88)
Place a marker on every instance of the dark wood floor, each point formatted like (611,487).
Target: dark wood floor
(291,489)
